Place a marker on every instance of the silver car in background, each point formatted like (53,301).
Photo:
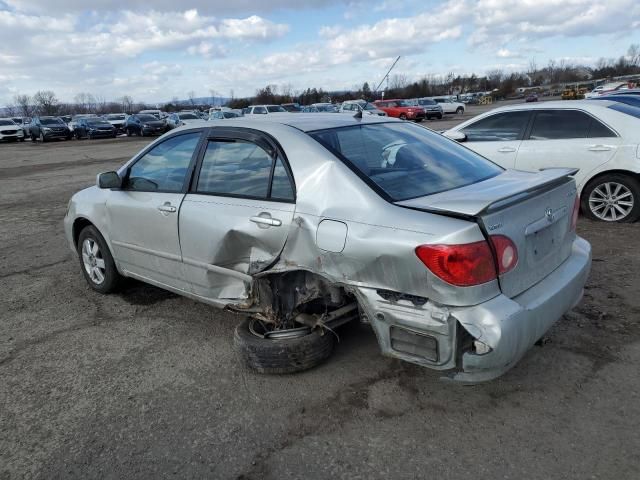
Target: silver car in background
(301,222)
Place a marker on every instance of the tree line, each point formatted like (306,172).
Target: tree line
(501,83)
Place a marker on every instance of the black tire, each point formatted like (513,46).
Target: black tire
(33,137)
(282,355)
(41,137)
(629,182)
(402,116)
(128,132)
(21,139)
(112,279)
(439,116)
(459,110)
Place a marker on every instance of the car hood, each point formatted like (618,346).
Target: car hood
(474,199)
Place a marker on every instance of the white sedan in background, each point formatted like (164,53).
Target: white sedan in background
(600,139)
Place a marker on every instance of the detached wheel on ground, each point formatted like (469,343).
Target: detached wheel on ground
(96,262)
(613,197)
(287,351)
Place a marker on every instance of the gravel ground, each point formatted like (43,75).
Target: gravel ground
(145,384)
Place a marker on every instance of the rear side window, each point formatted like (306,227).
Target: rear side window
(500,127)
(560,124)
(164,167)
(243,169)
(402,161)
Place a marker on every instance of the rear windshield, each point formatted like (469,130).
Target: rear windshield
(403,161)
(628,109)
(148,118)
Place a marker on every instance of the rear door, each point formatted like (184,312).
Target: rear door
(566,138)
(498,136)
(236,217)
(143,216)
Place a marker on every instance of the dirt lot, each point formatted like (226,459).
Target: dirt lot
(145,384)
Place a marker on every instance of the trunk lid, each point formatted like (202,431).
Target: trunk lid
(532,209)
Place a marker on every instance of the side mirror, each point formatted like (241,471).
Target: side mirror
(456,135)
(109,180)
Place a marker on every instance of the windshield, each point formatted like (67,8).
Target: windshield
(6,122)
(115,117)
(97,121)
(51,121)
(148,118)
(403,161)
(426,102)
(404,103)
(628,109)
(188,116)
(370,106)
(230,115)
(275,108)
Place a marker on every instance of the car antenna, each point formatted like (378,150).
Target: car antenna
(366,102)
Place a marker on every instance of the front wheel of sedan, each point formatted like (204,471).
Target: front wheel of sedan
(41,137)
(612,198)
(97,264)
(281,351)
(460,110)
(403,116)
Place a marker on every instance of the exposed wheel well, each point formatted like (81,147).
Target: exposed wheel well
(78,225)
(280,297)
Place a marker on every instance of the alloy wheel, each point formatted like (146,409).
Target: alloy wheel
(93,261)
(611,201)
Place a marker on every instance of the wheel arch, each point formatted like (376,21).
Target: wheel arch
(604,173)
(80,224)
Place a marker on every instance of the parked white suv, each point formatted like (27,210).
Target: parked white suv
(600,139)
(449,105)
(263,109)
(10,131)
(354,106)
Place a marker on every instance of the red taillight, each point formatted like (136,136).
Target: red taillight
(506,253)
(461,265)
(574,214)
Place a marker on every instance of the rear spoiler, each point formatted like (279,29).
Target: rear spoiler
(491,195)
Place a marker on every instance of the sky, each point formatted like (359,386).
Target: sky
(155,51)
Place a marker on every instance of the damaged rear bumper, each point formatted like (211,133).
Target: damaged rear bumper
(428,334)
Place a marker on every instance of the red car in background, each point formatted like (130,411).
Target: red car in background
(400,109)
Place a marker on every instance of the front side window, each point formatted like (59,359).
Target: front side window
(560,124)
(164,167)
(242,168)
(405,161)
(500,127)
(260,110)
(276,109)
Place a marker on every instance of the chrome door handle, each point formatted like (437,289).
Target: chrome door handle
(273,222)
(599,148)
(506,150)
(167,208)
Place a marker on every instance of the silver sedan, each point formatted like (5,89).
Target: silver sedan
(300,223)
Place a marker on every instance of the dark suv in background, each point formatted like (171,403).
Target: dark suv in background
(144,124)
(94,127)
(48,128)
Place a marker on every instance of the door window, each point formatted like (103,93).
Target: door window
(560,124)
(241,168)
(164,167)
(599,130)
(500,127)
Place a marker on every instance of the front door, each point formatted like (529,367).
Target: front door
(143,216)
(498,136)
(235,220)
